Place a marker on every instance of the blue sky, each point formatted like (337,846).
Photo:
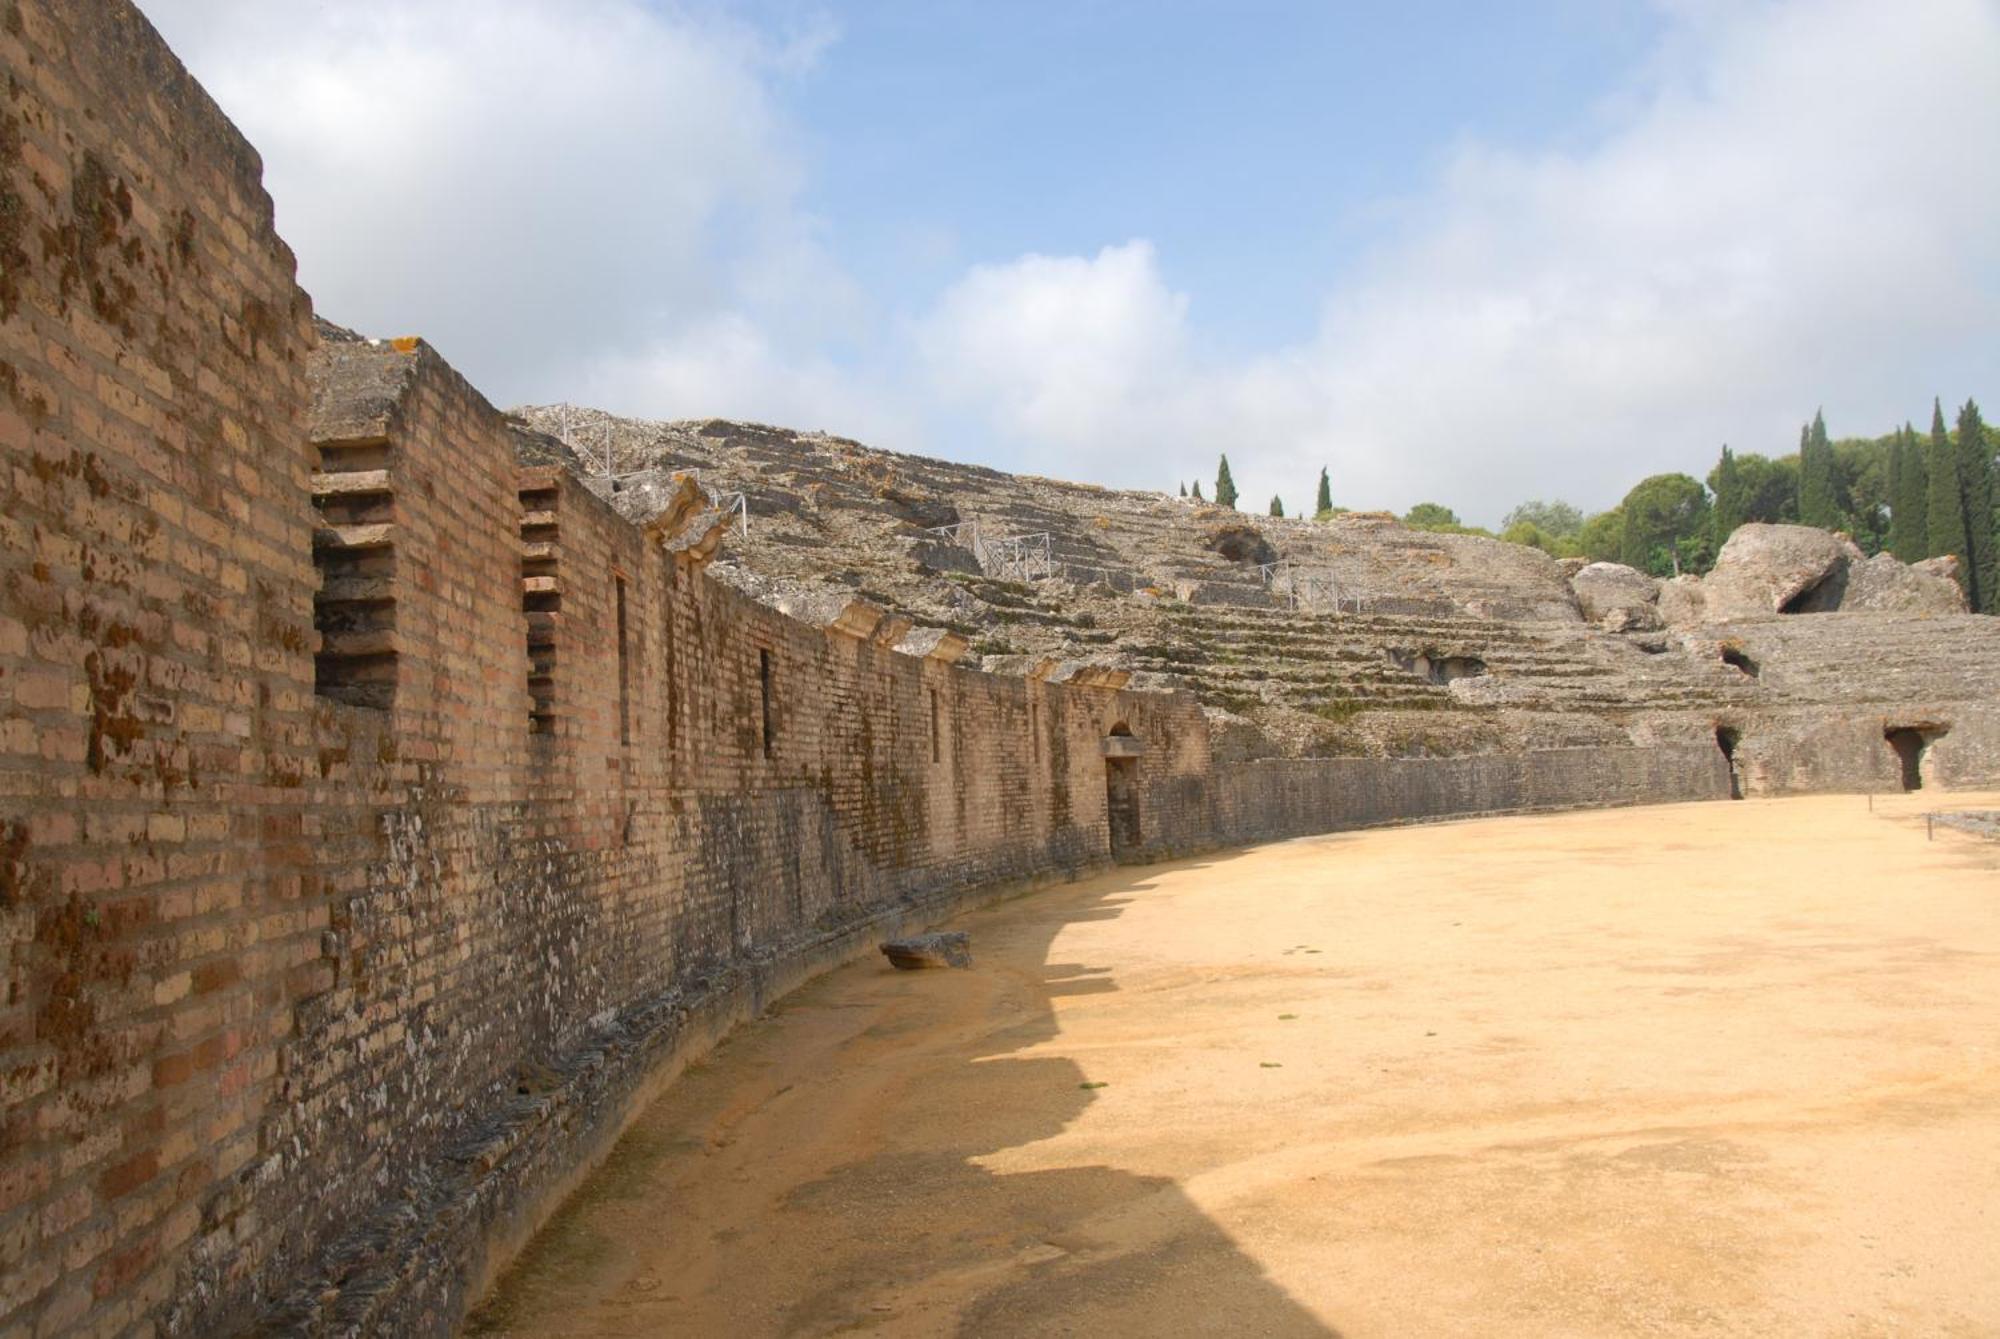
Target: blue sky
(1470,253)
(1261,146)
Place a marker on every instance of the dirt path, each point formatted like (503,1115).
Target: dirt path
(1701,1070)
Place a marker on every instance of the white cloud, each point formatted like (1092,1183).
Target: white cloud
(1796,203)
(533,186)
(1801,207)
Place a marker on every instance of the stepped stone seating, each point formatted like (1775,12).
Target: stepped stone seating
(1354,636)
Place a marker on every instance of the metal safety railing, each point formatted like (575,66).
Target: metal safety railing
(1313,590)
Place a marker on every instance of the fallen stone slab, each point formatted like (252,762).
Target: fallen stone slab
(944,948)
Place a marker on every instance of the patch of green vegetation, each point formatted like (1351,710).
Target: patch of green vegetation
(1096,1084)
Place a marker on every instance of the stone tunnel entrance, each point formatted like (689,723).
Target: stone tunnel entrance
(1727,737)
(1122,751)
(1909,743)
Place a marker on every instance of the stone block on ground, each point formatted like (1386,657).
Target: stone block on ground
(941,948)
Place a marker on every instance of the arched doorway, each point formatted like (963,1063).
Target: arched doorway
(1727,737)
(1122,751)
(1908,743)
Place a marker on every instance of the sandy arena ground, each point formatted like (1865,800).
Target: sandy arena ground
(1724,1069)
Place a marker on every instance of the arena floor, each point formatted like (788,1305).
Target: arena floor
(1722,1069)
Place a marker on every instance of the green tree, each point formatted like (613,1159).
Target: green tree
(1225,487)
(1770,488)
(1975,475)
(1197,492)
(1909,503)
(1602,538)
(1944,517)
(1861,489)
(1819,502)
(1277,507)
(1324,504)
(1534,537)
(1732,506)
(1557,519)
(1183,489)
(1666,525)
(1430,516)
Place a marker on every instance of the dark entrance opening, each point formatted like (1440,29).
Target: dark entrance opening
(1909,743)
(1121,792)
(1726,739)
(1733,656)
(1822,597)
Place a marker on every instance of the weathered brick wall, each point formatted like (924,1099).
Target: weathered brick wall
(158,900)
(558,808)
(1290,797)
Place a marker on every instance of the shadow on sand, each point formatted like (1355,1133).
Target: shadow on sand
(826,1172)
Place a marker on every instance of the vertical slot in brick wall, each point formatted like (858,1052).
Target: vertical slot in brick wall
(541,599)
(764,698)
(355,552)
(624,669)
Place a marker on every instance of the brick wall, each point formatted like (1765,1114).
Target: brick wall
(158,902)
(570,790)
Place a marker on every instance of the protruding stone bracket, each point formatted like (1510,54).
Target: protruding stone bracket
(941,645)
(1123,746)
(1085,674)
(686,523)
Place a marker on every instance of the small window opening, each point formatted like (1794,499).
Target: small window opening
(1734,656)
(764,691)
(624,671)
(1726,739)
(937,744)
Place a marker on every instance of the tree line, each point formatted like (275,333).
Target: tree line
(1916,495)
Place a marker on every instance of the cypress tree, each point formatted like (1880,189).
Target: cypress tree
(1183,489)
(1731,503)
(1277,507)
(1909,531)
(1225,487)
(1818,504)
(1975,475)
(1325,494)
(1895,471)
(1197,492)
(1944,520)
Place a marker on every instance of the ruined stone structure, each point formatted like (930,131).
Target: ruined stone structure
(383,813)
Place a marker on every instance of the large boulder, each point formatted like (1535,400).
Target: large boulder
(1239,543)
(1683,603)
(1616,596)
(1777,569)
(1883,585)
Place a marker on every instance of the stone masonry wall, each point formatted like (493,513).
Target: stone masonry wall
(1276,798)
